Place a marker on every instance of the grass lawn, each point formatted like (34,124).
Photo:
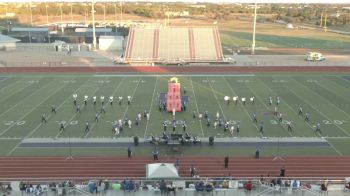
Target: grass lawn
(239,34)
(24,98)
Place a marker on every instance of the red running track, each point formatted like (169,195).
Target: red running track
(177,69)
(55,168)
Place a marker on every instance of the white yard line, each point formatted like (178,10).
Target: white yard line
(246,111)
(132,97)
(216,98)
(58,107)
(150,109)
(173,75)
(74,115)
(335,149)
(329,102)
(36,128)
(114,92)
(30,111)
(319,111)
(13,92)
(25,98)
(195,100)
(268,109)
(127,107)
(290,107)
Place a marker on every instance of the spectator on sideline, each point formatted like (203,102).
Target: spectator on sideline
(248,186)
(129,152)
(257,153)
(282,171)
(226,162)
(155,154)
(192,170)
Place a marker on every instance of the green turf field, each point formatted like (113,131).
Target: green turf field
(24,98)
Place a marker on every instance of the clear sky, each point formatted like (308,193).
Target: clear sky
(212,1)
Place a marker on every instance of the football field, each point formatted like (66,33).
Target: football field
(24,98)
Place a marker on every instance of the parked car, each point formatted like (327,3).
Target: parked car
(314,56)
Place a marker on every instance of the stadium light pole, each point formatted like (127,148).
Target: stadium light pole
(254,26)
(93,25)
(71,13)
(85,12)
(47,15)
(325,22)
(6,10)
(104,13)
(115,13)
(31,15)
(121,12)
(61,13)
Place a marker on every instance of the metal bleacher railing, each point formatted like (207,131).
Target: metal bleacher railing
(183,186)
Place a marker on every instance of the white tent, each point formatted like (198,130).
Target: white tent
(161,170)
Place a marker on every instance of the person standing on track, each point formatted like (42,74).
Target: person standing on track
(238,126)
(87,127)
(254,118)
(85,99)
(102,100)
(62,126)
(103,109)
(278,101)
(300,113)
(111,100)
(129,100)
(53,109)
(94,100)
(261,128)
(307,117)
(120,98)
(252,100)
(129,152)
(289,124)
(75,99)
(43,118)
(280,118)
(275,111)
(97,116)
(78,108)
(226,162)
(318,127)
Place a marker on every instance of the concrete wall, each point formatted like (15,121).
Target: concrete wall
(111,42)
(8,46)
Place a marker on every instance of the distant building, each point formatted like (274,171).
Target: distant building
(183,13)
(111,42)
(335,15)
(30,34)
(290,26)
(199,6)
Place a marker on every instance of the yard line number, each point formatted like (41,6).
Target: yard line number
(73,122)
(13,123)
(326,122)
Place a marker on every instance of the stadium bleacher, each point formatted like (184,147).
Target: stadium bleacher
(172,45)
